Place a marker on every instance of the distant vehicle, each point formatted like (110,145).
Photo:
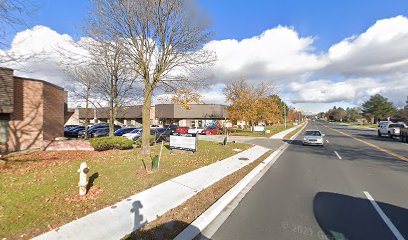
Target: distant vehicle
(68,127)
(93,129)
(197,130)
(73,132)
(124,130)
(390,129)
(103,132)
(132,134)
(211,131)
(313,137)
(163,135)
(404,134)
(182,130)
(172,127)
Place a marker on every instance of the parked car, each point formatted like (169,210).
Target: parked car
(103,132)
(124,130)
(172,127)
(154,126)
(132,134)
(93,129)
(68,127)
(313,137)
(211,131)
(182,130)
(197,130)
(390,129)
(163,135)
(153,132)
(73,132)
(404,134)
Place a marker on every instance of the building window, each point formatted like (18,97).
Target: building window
(4,131)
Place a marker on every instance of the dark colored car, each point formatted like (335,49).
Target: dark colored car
(69,127)
(182,130)
(122,131)
(211,131)
(163,135)
(93,129)
(172,127)
(73,132)
(103,132)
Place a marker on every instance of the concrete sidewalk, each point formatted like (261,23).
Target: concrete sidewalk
(116,221)
(282,134)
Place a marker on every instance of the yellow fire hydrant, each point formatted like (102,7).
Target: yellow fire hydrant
(83,178)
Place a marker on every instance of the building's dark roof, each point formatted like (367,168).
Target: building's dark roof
(197,111)
(128,112)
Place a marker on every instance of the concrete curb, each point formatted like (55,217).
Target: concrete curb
(198,225)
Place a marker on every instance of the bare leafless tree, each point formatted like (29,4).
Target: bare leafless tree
(164,42)
(115,83)
(13,14)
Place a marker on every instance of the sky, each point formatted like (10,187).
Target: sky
(317,53)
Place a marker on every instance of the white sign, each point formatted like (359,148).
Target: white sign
(259,128)
(183,141)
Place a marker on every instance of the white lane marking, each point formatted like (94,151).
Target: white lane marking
(384,217)
(338,155)
(327,141)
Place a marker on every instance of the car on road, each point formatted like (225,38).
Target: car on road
(211,131)
(313,137)
(197,130)
(390,129)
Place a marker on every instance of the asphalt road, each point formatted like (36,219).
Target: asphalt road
(310,193)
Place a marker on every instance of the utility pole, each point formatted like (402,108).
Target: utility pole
(284,113)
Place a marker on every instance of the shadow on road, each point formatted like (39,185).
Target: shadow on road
(346,217)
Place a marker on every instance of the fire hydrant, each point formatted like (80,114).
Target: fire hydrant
(83,178)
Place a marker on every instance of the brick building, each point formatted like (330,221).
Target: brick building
(31,112)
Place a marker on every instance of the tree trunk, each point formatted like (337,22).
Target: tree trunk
(111,110)
(86,113)
(146,121)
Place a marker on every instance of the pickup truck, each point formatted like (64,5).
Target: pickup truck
(390,129)
(404,135)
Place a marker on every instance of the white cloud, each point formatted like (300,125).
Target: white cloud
(277,54)
(382,49)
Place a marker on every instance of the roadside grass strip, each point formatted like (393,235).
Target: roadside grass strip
(384,217)
(372,145)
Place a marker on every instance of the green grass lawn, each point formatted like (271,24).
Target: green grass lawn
(39,190)
(273,130)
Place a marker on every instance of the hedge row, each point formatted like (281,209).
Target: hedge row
(107,143)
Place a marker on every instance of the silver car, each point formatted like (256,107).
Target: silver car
(313,137)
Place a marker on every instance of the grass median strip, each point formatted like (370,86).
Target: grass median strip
(173,222)
(39,190)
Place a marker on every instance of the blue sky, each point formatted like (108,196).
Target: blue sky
(317,25)
(329,21)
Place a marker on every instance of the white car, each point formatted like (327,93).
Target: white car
(390,129)
(313,137)
(197,130)
(133,134)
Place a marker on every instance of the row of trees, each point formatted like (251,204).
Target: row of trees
(256,103)
(376,108)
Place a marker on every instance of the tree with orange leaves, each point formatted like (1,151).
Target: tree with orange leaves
(185,97)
